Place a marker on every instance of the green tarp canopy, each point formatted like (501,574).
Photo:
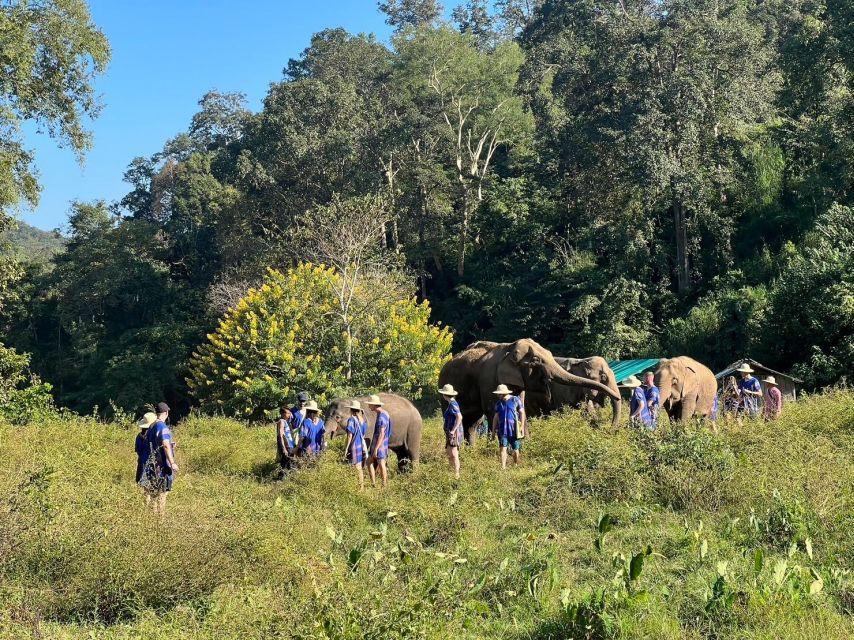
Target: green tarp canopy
(625,368)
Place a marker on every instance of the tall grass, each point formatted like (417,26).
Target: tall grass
(750,533)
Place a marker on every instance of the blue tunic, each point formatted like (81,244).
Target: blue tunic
(357,430)
(653,396)
(508,412)
(311,436)
(639,401)
(453,434)
(297,418)
(142,450)
(750,403)
(158,437)
(380,448)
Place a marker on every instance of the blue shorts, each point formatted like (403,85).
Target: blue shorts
(514,443)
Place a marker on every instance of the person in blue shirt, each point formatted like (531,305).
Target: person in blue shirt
(162,445)
(453,425)
(379,443)
(312,432)
(285,443)
(749,390)
(298,414)
(141,445)
(356,450)
(653,396)
(509,424)
(639,414)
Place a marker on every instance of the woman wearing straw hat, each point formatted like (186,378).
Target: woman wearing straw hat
(312,432)
(639,414)
(509,424)
(357,426)
(379,443)
(773,399)
(142,449)
(749,390)
(453,428)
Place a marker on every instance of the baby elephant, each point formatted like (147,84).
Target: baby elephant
(406,425)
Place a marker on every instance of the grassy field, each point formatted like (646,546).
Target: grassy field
(599,534)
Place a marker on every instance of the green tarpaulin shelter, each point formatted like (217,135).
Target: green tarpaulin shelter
(625,368)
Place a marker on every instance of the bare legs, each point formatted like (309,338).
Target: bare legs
(360,474)
(453,454)
(502,455)
(375,463)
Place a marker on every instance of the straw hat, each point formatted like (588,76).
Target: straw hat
(448,390)
(770,380)
(375,401)
(147,420)
(744,368)
(502,390)
(356,405)
(311,405)
(631,382)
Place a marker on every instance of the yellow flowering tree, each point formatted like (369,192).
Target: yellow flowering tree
(287,336)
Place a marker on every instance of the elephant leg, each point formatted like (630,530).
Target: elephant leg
(414,451)
(404,462)
(470,423)
(689,405)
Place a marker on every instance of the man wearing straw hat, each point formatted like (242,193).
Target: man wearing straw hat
(749,390)
(509,424)
(313,431)
(453,426)
(379,443)
(639,414)
(773,399)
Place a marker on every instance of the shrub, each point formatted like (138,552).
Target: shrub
(288,335)
(23,397)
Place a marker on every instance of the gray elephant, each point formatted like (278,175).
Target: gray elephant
(594,368)
(406,425)
(523,365)
(688,388)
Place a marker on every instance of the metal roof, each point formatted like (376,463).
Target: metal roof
(624,368)
(755,364)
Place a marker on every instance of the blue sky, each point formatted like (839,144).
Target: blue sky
(166,55)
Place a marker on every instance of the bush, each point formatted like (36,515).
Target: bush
(23,397)
(287,336)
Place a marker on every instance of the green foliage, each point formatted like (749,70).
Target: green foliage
(29,244)
(23,397)
(288,336)
(498,554)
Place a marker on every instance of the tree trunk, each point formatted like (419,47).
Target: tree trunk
(464,232)
(681,228)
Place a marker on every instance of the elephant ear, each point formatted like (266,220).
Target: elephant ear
(510,367)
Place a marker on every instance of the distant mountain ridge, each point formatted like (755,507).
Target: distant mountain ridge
(31,244)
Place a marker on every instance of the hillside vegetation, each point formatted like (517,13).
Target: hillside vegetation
(599,534)
(29,244)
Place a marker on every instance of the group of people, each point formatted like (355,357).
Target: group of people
(509,425)
(738,398)
(302,433)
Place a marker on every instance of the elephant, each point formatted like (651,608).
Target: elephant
(406,425)
(688,388)
(594,368)
(523,365)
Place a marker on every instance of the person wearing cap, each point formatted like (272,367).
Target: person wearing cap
(453,425)
(773,399)
(298,414)
(285,443)
(639,413)
(653,396)
(749,390)
(509,423)
(162,445)
(313,430)
(356,450)
(141,445)
(379,443)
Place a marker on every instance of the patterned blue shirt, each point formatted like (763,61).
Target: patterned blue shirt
(311,435)
(159,436)
(290,443)
(639,400)
(508,411)
(357,430)
(751,403)
(451,414)
(383,422)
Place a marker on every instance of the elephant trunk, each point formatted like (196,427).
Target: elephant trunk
(616,406)
(561,376)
